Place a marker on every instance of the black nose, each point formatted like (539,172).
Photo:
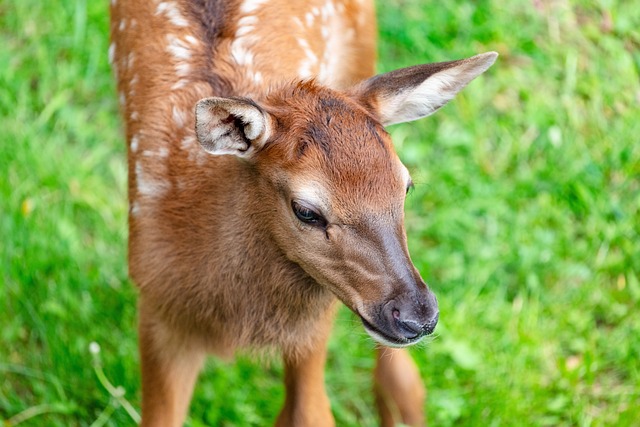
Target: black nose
(413,316)
(411,329)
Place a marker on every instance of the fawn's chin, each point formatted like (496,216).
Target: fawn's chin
(387,339)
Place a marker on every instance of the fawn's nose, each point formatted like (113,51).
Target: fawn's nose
(412,316)
(412,329)
(403,320)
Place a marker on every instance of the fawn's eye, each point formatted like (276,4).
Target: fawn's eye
(308,215)
(410,187)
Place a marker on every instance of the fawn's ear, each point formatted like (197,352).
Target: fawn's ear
(412,93)
(231,126)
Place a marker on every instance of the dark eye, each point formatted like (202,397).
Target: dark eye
(308,215)
(410,187)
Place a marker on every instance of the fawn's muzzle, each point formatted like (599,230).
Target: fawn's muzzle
(404,320)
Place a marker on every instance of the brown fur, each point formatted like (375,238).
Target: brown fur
(211,244)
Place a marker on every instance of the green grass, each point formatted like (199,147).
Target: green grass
(525,220)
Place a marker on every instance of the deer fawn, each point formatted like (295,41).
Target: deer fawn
(263,188)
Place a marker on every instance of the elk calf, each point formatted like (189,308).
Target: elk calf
(263,188)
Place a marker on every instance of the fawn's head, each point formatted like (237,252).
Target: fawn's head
(332,187)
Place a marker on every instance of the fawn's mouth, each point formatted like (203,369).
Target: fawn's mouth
(385,338)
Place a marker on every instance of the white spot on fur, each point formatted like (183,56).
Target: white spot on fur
(324,31)
(130,60)
(161,8)
(147,186)
(246,25)
(333,32)
(162,152)
(298,22)
(135,142)
(172,12)
(179,117)
(112,52)
(122,98)
(134,116)
(179,84)
(177,20)
(328,10)
(323,74)
(178,48)
(182,69)
(240,50)
(256,76)
(134,23)
(123,25)
(241,47)
(249,6)
(304,44)
(134,209)
(191,39)
(305,70)
(309,18)
(249,20)
(306,67)
(244,30)
(245,39)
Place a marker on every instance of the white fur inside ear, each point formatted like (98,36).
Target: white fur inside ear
(252,118)
(230,126)
(420,101)
(438,89)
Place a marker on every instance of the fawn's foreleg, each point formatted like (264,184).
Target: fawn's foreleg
(399,390)
(170,367)
(306,403)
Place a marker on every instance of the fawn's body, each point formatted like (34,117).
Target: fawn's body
(244,232)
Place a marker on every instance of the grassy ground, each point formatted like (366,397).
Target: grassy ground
(525,220)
